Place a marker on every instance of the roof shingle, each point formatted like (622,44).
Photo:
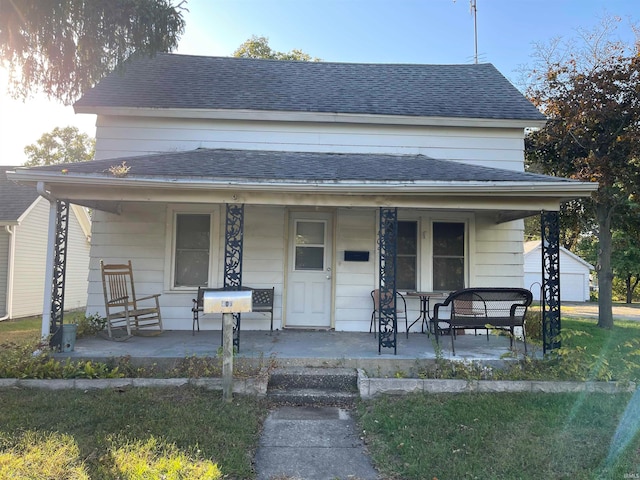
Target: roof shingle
(14,199)
(227,83)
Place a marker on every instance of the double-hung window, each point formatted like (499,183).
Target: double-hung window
(192,249)
(407,256)
(448,256)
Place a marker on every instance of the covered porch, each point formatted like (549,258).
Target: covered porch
(303,348)
(365,195)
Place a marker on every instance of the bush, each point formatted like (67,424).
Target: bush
(88,326)
(34,361)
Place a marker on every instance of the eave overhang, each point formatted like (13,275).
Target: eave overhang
(312,117)
(509,200)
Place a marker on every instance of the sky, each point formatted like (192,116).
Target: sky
(363,31)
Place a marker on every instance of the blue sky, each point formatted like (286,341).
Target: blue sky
(369,31)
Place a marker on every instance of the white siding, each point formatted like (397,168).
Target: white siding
(139,234)
(127,136)
(77,269)
(30,258)
(356,230)
(498,254)
(4,268)
(29,261)
(574,276)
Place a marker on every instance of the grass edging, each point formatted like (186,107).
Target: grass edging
(372,387)
(256,386)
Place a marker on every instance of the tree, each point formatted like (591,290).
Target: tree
(64,47)
(61,145)
(258,47)
(592,99)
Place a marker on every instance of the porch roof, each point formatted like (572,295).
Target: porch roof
(255,176)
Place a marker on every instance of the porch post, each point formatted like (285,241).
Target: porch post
(233,244)
(550,234)
(387,241)
(55,271)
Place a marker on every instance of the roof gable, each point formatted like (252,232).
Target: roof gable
(14,199)
(534,247)
(169,81)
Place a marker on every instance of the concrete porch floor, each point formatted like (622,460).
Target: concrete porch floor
(300,348)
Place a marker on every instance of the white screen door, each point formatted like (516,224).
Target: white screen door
(309,276)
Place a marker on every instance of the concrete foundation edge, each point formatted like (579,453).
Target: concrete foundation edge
(372,387)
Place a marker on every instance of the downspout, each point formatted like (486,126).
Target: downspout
(48,274)
(9,300)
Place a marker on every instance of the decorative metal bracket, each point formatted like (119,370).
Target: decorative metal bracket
(233,246)
(59,273)
(550,231)
(387,243)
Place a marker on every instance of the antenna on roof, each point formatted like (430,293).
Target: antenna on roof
(474,11)
(473,8)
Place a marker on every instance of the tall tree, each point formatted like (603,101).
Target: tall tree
(63,47)
(61,145)
(258,47)
(592,99)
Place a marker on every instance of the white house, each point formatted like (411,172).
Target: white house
(24,218)
(303,159)
(574,273)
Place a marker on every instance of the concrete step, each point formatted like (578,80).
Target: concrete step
(313,386)
(341,379)
(311,396)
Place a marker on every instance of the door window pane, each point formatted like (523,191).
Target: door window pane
(448,256)
(406,272)
(192,250)
(309,251)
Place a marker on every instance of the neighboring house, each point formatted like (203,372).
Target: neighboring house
(24,218)
(300,157)
(574,273)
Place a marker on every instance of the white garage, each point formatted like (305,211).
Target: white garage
(574,273)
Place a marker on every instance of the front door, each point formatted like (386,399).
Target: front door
(309,276)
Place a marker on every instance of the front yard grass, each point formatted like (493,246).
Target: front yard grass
(441,436)
(191,421)
(503,436)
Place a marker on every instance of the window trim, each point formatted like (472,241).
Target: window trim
(170,242)
(465,223)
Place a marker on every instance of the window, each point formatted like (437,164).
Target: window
(407,268)
(448,256)
(310,245)
(192,247)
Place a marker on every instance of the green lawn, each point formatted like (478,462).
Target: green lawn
(503,436)
(484,436)
(196,421)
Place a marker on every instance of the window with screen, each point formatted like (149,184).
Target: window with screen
(192,247)
(407,257)
(448,256)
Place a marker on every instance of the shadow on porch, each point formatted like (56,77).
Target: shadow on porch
(299,348)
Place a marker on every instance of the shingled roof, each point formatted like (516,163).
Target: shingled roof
(14,198)
(170,81)
(291,167)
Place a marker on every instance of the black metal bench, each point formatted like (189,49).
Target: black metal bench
(484,308)
(261,300)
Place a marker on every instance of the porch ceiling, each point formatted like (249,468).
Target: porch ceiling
(305,178)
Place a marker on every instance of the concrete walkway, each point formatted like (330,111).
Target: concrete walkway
(312,443)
